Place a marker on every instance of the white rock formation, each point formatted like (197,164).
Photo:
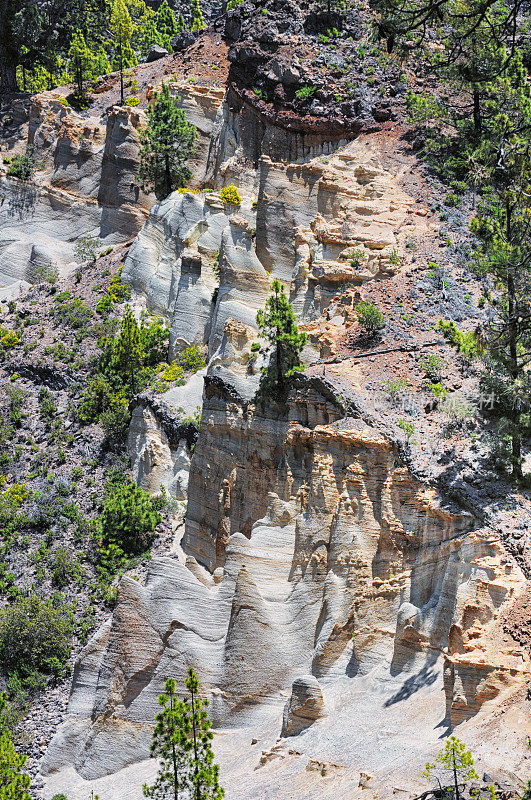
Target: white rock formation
(85,185)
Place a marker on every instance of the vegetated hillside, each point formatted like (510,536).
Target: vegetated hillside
(379,501)
(60,468)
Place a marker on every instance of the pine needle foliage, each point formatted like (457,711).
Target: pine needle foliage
(452,766)
(168,142)
(14,784)
(182,743)
(277,324)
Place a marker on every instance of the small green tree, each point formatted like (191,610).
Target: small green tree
(167,25)
(100,63)
(81,59)
(370,318)
(129,515)
(171,746)
(128,351)
(14,784)
(167,143)
(182,741)
(277,324)
(198,22)
(205,774)
(35,639)
(122,27)
(454,763)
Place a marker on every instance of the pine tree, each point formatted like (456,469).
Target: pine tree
(167,143)
(100,64)
(166,24)
(277,324)
(454,762)
(124,57)
(198,22)
(146,33)
(14,784)
(170,745)
(81,59)
(128,351)
(122,27)
(503,225)
(204,773)
(182,742)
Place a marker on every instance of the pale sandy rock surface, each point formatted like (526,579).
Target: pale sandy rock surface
(320,584)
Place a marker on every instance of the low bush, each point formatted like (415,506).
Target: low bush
(432,366)
(191,359)
(87,248)
(129,515)
(465,341)
(370,318)
(306,93)
(74,313)
(65,568)
(35,639)
(230,195)
(24,165)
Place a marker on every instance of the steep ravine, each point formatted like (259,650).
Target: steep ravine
(311,556)
(347,596)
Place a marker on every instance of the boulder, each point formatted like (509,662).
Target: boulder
(183,40)
(305,705)
(155,53)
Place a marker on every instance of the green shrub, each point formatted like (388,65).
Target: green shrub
(64,567)
(74,313)
(191,359)
(48,272)
(95,399)
(407,427)
(35,639)
(306,93)
(356,258)
(132,101)
(87,248)
(48,409)
(116,418)
(230,195)
(173,373)
(395,386)
(452,200)
(24,165)
(432,366)
(370,317)
(129,516)
(465,341)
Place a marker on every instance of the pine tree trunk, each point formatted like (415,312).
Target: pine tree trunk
(516,437)
(197,791)
(456,785)
(121,75)
(477,111)
(8,72)
(175,770)
(167,174)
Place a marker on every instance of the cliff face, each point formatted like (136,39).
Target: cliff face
(86,185)
(321,587)
(326,558)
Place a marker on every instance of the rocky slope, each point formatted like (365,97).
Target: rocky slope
(347,593)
